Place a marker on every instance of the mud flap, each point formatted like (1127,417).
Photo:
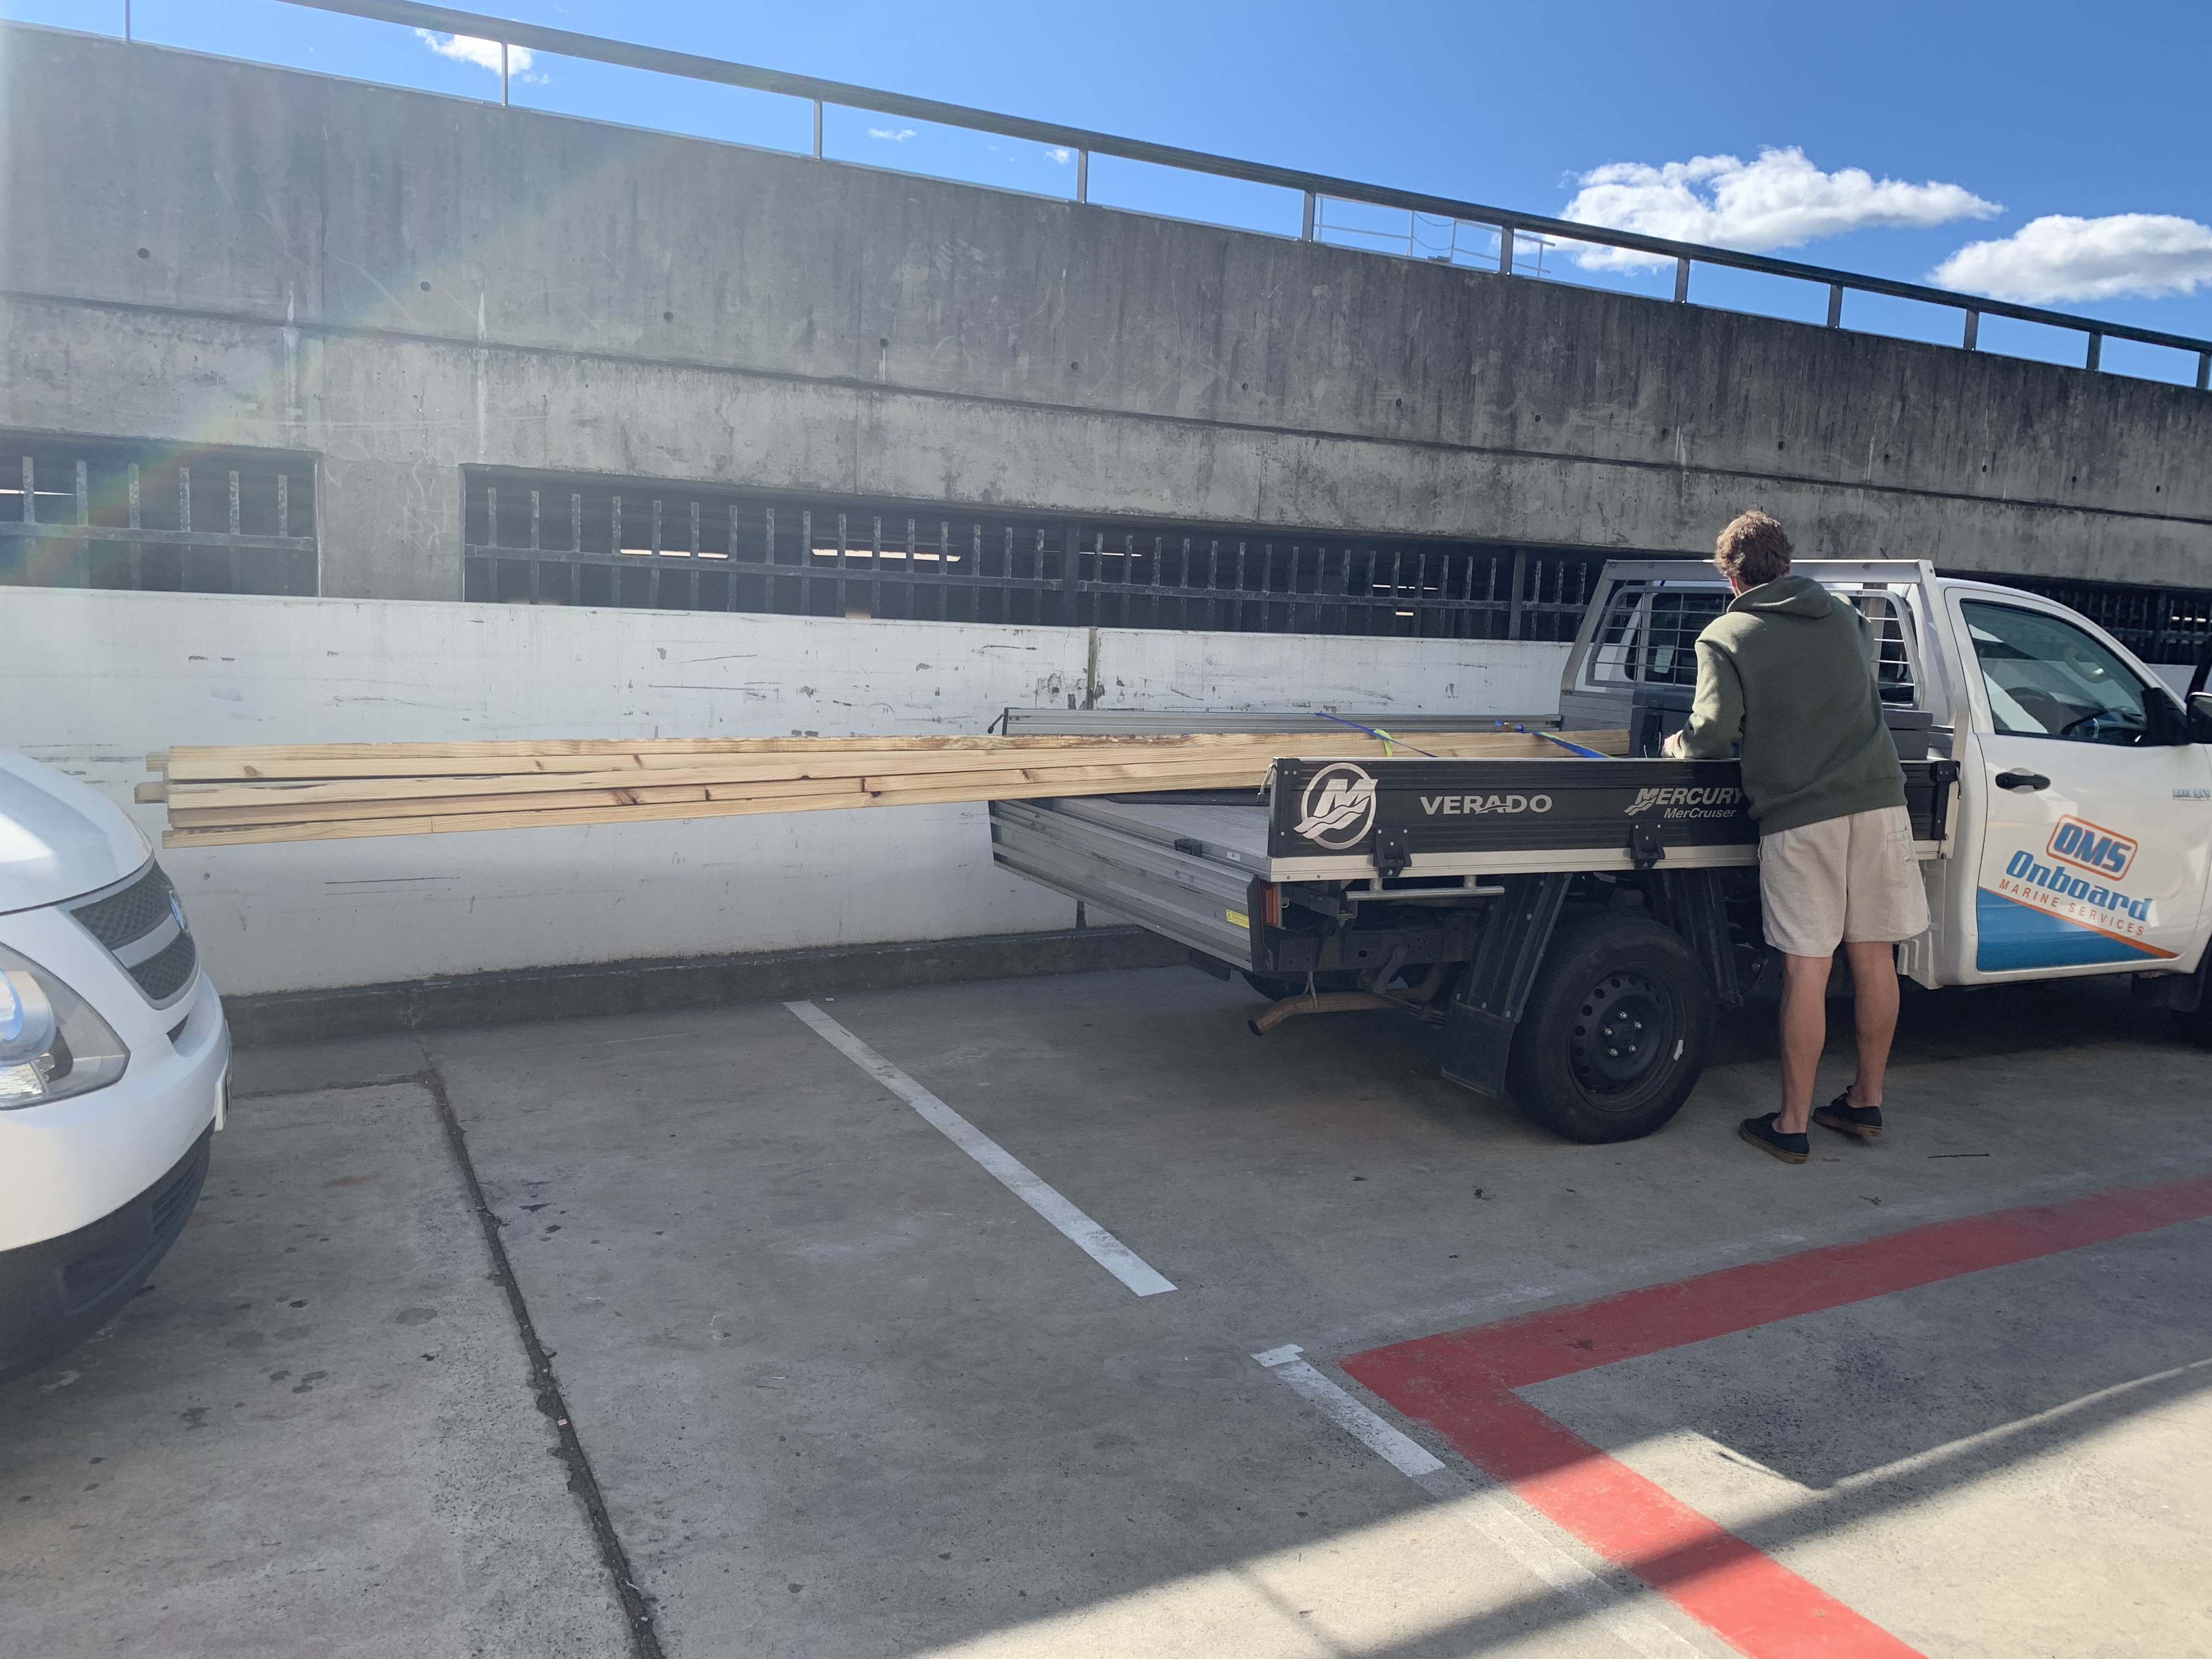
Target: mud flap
(1493,988)
(1690,902)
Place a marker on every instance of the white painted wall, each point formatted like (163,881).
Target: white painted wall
(91,682)
(1162,668)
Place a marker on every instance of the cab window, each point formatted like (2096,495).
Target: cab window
(2046,679)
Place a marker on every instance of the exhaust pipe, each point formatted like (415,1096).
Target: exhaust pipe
(1321,1002)
(1350,1002)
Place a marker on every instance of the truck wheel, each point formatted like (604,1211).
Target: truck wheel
(2197,1024)
(1613,1037)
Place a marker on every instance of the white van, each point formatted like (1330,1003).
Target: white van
(114,1063)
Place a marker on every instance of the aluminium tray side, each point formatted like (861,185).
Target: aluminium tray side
(1182,897)
(1230,828)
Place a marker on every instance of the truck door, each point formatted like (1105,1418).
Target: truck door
(2097,828)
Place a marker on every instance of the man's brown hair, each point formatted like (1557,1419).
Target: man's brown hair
(1754,549)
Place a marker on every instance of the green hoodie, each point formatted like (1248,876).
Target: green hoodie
(1784,670)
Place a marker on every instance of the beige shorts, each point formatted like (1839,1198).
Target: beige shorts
(1849,878)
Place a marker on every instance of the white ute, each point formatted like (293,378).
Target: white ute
(1572,924)
(114,1064)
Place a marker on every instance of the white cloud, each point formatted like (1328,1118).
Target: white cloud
(485,54)
(899,136)
(1062,155)
(1779,200)
(2060,258)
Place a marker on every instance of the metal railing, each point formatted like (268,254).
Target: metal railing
(1503,228)
(539,540)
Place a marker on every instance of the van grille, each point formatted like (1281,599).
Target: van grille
(132,913)
(139,924)
(163,974)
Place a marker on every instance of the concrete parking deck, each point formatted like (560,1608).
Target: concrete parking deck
(848,1386)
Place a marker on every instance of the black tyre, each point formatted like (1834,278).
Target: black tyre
(2197,1024)
(1614,1035)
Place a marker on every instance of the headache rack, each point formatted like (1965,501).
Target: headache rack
(1638,640)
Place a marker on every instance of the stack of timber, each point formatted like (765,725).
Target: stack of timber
(331,791)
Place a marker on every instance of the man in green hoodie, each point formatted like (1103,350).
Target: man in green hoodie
(1786,671)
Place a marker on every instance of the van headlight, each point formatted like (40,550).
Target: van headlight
(52,1044)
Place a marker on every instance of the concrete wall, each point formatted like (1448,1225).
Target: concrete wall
(404,283)
(91,682)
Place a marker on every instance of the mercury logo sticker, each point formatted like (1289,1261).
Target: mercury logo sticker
(1338,806)
(1651,799)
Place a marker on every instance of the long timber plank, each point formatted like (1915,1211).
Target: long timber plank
(285,809)
(282,808)
(277,794)
(210,763)
(352,828)
(743,769)
(243,763)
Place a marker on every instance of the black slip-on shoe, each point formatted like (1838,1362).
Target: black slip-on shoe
(1839,1114)
(1761,1133)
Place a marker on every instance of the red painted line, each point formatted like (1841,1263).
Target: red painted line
(1461,1382)
(1738,1592)
(1560,1341)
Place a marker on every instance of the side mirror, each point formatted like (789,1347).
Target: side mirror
(2200,717)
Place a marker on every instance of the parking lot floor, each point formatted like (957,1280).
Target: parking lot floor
(849,1388)
(313,1432)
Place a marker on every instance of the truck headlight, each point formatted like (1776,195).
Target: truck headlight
(52,1044)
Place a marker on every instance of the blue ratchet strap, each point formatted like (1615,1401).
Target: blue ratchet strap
(1575,748)
(1372,732)
(1572,748)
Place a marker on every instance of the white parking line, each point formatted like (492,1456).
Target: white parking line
(1493,1512)
(1108,1251)
(1399,1451)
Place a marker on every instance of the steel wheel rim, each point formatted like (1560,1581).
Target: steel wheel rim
(1626,1031)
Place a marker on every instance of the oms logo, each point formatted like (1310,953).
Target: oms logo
(1338,806)
(2086,847)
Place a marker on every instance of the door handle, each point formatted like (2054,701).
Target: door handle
(2029,781)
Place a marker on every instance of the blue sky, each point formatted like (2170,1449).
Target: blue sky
(2092,122)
